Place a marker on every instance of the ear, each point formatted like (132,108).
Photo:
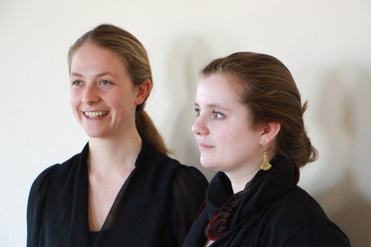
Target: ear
(270,131)
(142,91)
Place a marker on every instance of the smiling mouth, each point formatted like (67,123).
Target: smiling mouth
(95,114)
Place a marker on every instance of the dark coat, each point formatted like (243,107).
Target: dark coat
(274,212)
(155,207)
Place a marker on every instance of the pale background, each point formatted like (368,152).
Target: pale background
(325,43)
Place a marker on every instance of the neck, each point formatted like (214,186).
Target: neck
(241,176)
(108,155)
(239,179)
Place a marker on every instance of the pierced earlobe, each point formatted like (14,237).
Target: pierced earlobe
(266,165)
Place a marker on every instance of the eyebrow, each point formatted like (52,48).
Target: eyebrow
(97,75)
(213,106)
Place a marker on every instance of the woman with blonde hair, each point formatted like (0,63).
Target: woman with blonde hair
(122,189)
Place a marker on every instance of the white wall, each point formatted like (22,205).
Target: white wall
(326,45)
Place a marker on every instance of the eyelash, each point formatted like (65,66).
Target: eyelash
(214,115)
(217,115)
(102,82)
(197,112)
(76,83)
(105,82)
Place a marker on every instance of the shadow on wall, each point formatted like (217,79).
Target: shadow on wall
(185,61)
(346,123)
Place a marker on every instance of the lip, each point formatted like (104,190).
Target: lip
(204,147)
(95,114)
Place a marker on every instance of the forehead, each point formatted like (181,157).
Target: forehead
(218,86)
(96,57)
(88,49)
(218,91)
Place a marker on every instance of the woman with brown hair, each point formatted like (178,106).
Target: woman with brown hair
(250,128)
(122,189)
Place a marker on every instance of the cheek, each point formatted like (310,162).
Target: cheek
(229,136)
(237,138)
(74,98)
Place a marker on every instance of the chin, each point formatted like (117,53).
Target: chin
(209,164)
(94,134)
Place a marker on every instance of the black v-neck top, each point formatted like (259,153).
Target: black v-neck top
(155,206)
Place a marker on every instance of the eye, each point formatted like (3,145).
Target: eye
(197,112)
(217,115)
(105,82)
(77,83)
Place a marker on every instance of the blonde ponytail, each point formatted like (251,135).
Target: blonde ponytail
(148,131)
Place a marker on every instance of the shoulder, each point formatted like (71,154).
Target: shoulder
(306,209)
(182,172)
(54,173)
(168,166)
(149,155)
(297,206)
(37,195)
(190,174)
(321,235)
(299,217)
(42,180)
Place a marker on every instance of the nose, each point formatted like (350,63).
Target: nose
(90,95)
(199,127)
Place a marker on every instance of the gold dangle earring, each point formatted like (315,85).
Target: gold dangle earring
(266,165)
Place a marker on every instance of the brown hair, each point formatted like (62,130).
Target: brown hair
(137,64)
(269,91)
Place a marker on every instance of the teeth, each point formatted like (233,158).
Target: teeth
(95,114)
